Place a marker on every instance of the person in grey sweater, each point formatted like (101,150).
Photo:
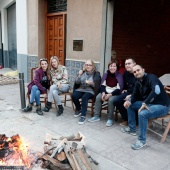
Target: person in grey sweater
(86,87)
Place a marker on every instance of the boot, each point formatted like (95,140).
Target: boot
(38,110)
(60,110)
(47,107)
(28,108)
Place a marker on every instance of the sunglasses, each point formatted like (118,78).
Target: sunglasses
(43,59)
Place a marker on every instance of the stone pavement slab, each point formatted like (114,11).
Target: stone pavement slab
(107,145)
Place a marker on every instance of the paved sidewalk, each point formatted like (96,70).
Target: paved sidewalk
(108,145)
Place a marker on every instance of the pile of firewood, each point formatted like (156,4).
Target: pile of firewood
(67,153)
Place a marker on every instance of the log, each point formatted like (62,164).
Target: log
(56,163)
(84,160)
(61,156)
(60,145)
(90,160)
(67,152)
(75,161)
(67,137)
(80,162)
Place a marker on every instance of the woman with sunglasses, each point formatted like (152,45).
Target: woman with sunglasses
(86,87)
(38,86)
(60,84)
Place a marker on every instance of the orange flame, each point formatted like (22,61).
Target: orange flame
(20,156)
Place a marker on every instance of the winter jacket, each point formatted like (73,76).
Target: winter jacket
(59,75)
(119,78)
(39,74)
(96,87)
(150,90)
(129,81)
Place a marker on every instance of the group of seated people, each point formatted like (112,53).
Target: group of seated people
(137,95)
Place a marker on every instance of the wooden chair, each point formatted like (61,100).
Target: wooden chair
(43,99)
(91,104)
(167,126)
(67,99)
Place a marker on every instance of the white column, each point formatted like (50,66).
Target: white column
(21,21)
(22,36)
(106,38)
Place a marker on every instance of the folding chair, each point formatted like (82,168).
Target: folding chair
(167,126)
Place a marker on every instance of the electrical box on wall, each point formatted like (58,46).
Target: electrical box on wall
(77,45)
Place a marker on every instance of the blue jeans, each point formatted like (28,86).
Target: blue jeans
(118,102)
(55,91)
(154,111)
(85,97)
(35,95)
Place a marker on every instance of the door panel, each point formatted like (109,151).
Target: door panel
(12,40)
(55,37)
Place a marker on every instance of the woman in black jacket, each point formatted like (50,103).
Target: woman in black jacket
(87,85)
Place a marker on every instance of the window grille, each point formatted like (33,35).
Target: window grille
(56,6)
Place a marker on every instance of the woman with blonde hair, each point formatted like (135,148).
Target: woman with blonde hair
(38,86)
(86,86)
(60,84)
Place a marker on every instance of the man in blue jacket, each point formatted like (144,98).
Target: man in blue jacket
(149,100)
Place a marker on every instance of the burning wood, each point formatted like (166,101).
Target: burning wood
(13,152)
(67,153)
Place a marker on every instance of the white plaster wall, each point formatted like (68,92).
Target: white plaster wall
(21,24)
(92,21)
(84,21)
(33,27)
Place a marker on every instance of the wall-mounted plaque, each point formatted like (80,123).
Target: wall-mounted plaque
(77,45)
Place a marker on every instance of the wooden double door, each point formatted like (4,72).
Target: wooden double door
(56,36)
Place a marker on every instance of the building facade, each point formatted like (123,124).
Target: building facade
(76,30)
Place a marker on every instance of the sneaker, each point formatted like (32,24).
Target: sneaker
(138,145)
(109,123)
(77,113)
(124,123)
(82,120)
(94,119)
(127,130)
